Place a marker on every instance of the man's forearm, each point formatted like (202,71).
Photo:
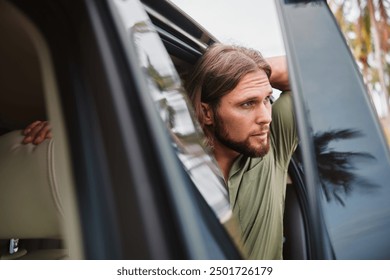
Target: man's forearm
(279,77)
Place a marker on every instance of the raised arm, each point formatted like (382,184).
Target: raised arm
(279,77)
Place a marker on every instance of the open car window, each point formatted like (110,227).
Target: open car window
(167,92)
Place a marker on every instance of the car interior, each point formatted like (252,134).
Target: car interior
(32,212)
(37,183)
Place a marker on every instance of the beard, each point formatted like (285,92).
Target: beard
(243,147)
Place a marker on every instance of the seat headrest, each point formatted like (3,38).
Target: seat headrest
(30,204)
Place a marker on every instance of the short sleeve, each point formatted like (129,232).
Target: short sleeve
(284,135)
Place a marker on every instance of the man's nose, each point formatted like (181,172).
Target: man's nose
(264,115)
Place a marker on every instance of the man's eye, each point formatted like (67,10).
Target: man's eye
(248,104)
(267,100)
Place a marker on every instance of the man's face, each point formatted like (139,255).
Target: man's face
(242,119)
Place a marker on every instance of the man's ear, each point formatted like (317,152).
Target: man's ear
(208,116)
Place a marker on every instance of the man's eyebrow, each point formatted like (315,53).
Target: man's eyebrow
(250,97)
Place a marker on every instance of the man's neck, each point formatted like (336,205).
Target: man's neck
(225,158)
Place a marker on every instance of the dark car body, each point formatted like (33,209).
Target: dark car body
(136,180)
(344,154)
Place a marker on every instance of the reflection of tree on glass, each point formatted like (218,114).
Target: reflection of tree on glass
(337,169)
(173,106)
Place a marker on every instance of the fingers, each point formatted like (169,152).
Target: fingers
(37,132)
(42,133)
(27,130)
(31,131)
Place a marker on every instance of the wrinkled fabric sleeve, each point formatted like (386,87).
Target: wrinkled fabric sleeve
(283,129)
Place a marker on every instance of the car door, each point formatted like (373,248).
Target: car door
(111,92)
(343,167)
(162,88)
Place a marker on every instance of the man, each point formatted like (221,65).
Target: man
(230,90)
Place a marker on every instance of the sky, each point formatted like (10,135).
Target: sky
(246,22)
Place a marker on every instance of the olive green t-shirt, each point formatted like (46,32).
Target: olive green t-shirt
(257,186)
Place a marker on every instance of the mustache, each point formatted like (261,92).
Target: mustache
(263,129)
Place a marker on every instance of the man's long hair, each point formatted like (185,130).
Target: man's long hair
(218,72)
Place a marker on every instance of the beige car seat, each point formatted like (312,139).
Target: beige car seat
(30,202)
